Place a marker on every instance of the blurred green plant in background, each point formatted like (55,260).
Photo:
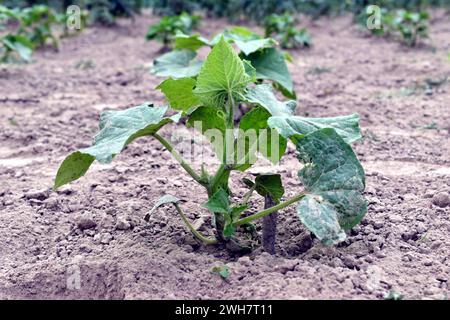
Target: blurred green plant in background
(282,28)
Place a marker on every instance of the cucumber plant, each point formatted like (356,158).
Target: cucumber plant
(165,30)
(30,29)
(333,179)
(412,26)
(282,28)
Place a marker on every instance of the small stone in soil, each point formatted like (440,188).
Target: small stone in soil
(441,199)
(106,238)
(122,224)
(395,218)
(428,263)
(86,223)
(38,194)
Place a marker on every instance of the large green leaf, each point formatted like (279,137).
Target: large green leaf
(222,75)
(270,65)
(263,95)
(334,182)
(177,64)
(179,93)
(346,126)
(255,135)
(117,130)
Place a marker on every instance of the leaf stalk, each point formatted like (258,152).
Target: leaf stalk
(181,160)
(270,210)
(198,235)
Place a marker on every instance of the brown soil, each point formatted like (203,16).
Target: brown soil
(51,107)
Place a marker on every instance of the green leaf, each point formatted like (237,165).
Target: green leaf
(73,167)
(166,199)
(231,217)
(334,182)
(263,95)
(248,47)
(177,64)
(117,130)
(20,44)
(249,70)
(255,135)
(346,126)
(190,42)
(246,40)
(218,203)
(222,271)
(235,33)
(179,93)
(211,122)
(270,65)
(222,75)
(269,185)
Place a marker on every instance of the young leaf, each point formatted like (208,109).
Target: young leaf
(117,130)
(190,42)
(177,64)
(222,271)
(346,126)
(255,135)
(179,93)
(263,95)
(246,40)
(270,65)
(231,217)
(269,185)
(210,121)
(162,201)
(222,75)
(219,202)
(248,47)
(334,181)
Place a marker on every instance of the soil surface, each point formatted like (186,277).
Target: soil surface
(89,239)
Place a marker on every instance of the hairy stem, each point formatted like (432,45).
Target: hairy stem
(268,211)
(197,234)
(230,111)
(269,226)
(180,159)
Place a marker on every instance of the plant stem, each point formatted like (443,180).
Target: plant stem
(268,211)
(197,234)
(230,111)
(269,226)
(248,194)
(180,159)
(217,176)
